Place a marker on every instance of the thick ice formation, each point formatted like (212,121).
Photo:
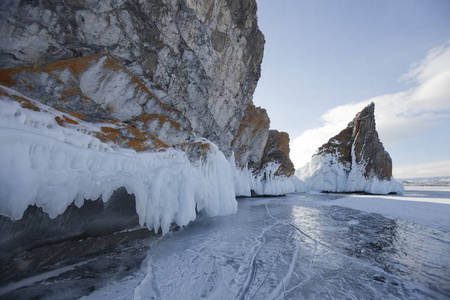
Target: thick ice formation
(48,165)
(326,173)
(264,183)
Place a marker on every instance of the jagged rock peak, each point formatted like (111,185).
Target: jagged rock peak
(353,161)
(359,143)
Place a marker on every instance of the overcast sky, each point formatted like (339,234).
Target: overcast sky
(325,60)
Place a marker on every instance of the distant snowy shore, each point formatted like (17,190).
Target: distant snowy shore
(428,206)
(428,181)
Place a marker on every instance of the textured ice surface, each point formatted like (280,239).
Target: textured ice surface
(296,247)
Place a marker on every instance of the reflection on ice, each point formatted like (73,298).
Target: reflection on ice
(281,249)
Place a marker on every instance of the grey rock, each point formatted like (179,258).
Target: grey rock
(359,144)
(194,62)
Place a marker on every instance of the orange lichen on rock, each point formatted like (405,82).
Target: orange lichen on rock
(24,102)
(277,150)
(68,92)
(196,150)
(255,119)
(130,137)
(64,120)
(74,65)
(162,119)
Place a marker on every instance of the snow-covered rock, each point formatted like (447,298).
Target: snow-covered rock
(352,161)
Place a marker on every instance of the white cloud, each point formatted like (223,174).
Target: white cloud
(400,116)
(430,169)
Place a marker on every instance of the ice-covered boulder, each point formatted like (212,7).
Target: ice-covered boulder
(352,161)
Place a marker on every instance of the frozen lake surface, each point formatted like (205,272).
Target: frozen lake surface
(301,246)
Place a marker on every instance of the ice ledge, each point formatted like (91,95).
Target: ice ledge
(52,166)
(265,182)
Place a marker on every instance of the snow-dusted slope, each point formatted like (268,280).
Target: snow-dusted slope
(45,164)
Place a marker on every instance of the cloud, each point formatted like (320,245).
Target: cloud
(430,169)
(400,116)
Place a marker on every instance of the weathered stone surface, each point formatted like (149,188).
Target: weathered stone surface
(277,150)
(352,161)
(359,144)
(251,138)
(191,65)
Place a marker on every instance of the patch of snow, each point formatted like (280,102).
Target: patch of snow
(430,212)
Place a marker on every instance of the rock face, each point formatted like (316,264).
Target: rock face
(169,69)
(353,161)
(277,150)
(251,138)
(151,75)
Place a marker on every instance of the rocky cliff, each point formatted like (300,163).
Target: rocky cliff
(170,70)
(353,161)
(160,90)
(164,71)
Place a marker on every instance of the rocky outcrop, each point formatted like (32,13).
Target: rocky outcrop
(277,151)
(353,161)
(169,69)
(251,138)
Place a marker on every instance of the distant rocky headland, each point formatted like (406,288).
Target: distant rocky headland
(353,161)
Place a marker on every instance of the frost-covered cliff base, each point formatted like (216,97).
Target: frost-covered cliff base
(51,159)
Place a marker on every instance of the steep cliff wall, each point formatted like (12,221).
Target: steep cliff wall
(172,69)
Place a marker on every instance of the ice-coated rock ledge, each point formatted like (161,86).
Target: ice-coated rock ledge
(352,161)
(51,166)
(264,183)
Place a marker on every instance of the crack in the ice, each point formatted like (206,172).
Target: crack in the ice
(316,243)
(252,269)
(268,272)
